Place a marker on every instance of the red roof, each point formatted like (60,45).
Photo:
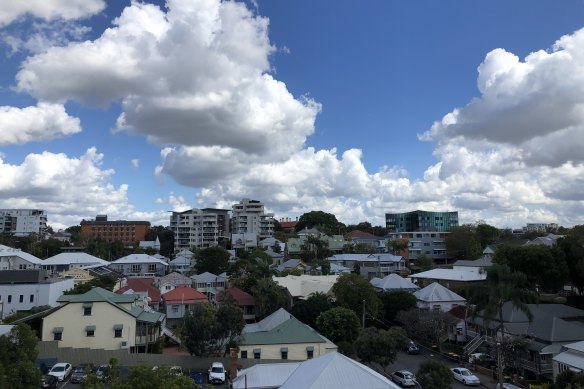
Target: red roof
(288,225)
(241,298)
(358,234)
(459,311)
(142,284)
(184,295)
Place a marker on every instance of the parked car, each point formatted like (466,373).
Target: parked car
(61,370)
(465,376)
(102,372)
(49,382)
(79,374)
(507,385)
(217,373)
(411,348)
(404,378)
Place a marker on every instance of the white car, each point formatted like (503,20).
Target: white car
(61,371)
(404,378)
(507,385)
(465,376)
(217,373)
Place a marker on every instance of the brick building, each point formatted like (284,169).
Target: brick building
(127,231)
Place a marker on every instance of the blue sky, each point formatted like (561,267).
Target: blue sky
(136,109)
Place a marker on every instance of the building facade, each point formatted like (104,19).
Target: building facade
(23,222)
(126,231)
(421,221)
(195,228)
(429,243)
(249,216)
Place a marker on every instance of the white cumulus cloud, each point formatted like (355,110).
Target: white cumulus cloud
(49,9)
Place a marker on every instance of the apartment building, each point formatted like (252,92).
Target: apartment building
(197,228)
(430,243)
(421,221)
(127,231)
(249,216)
(23,222)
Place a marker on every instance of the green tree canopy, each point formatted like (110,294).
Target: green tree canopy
(269,297)
(351,290)
(105,281)
(314,249)
(380,346)
(396,301)
(326,223)
(213,260)
(433,374)
(308,310)
(339,324)
(462,243)
(17,359)
(572,245)
(166,238)
(424,262)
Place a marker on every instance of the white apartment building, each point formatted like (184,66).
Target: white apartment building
(249,216)
(194,228)
(23,222)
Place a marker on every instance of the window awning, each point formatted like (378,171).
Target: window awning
(309,348)
(87,305)
(283,349)
(58,330)
(257,350)
(118,326)
(90,328)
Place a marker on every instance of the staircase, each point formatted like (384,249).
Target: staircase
(471,346)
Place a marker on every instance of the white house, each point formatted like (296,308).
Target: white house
(571,358)
(66,261)
(140,265)
(301,287)
(173,280)
(16,259)
(372,265)
(437,297)
(393,282)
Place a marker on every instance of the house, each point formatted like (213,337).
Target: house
(143,287)
(66,261)
(376,244)
(282,336)
(139,265)
(181,264)
(548,240)
(437,297)
(456,279)
(79,275)
(16,259)
(209,283)
(457,329)
(478,265)
(150,244)
(570,358)
(173,280)
(178,301)
(372,265)
(291,264)
(242,299)
(277,258)
(301,287)
(22,290)
(335,269)
(62,236)
(288,225)
(393,282)
(245,240)
(271,242)
(100,319)
(330,371)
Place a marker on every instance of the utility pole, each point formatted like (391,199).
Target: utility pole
(363,313)
(499,365)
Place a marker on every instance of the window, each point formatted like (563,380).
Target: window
(32,298)
(152,267)
(90,332)
(284,354)
(175,308)
(21,267)
(309,352)
(86,311)
(118,333)
(243,354)
(167,287)
(21,299)
(257,353)
(58,336)
(9,298)
(136,268)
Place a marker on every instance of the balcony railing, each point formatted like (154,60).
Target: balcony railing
(538,367)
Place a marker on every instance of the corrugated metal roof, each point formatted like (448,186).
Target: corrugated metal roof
(264,376)
(437,293)
(393,282)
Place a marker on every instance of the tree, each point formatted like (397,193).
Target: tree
(425,326)
(269,297)
(568,380)
(143,377)
(572,245)
(398,246)
(326,223)
(396,301)
(165,236)
(105,281)
(351,290)
(206,331)
(339,324)
(486,234)
(432,374)
(213,260)
(17,359)
(380,346)
(20,314)
(424,262)
(308,310)
(314,249)
(462,243)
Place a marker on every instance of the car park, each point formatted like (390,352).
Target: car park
(403,378)
(79,375)
(465,376)
(217,373)
(61,370)
(49,382)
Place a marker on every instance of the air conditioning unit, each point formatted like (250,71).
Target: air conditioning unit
(124,345)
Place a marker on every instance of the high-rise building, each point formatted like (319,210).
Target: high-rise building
(421,221)
(197,228)
(249,216)
(127,231)
(23,222)
(223,222)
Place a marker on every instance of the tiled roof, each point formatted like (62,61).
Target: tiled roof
(142,284)
(358,234)
(184,295)
(241,298)
(287,225)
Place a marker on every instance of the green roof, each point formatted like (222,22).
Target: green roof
(97,294)
(290,332)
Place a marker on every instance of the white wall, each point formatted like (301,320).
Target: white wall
(42,294)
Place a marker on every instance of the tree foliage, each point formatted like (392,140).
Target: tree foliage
(20,314)
(396,301)
(572,245)
(105,281)
(206,331)
(425,326)
(143,377)
(314,249)
(351,290)
(339,324)
(568,380)
(17,359)
(308,310)
(462,243)
(380,346)
(433,374)
(166,238)
(424,262)
(213,260)
(326,223)
(269,297)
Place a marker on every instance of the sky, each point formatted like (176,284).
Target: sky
(135,109)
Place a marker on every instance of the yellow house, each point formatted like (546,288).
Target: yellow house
(79,275)
(100,319)
(282,336)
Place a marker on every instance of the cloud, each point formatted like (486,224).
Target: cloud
(135,163)
(12,11)
(42,35)
(36,123)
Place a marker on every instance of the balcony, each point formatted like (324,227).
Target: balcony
(536,367)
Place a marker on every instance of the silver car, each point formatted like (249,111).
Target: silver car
(404,378)
(465,376)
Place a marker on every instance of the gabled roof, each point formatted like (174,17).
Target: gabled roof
(484,261)
(138,258)
(304,285)
(335,371)
(6,251)
(74,258)
(241,298)
(435,293)
(183,295)
(366,257)
(175,278)
(280,328)
(269,375)
(207,277)
(358,234)
(141,285)
(181,261)
(394,282)
(290,224)
(451,275)
(290,264)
